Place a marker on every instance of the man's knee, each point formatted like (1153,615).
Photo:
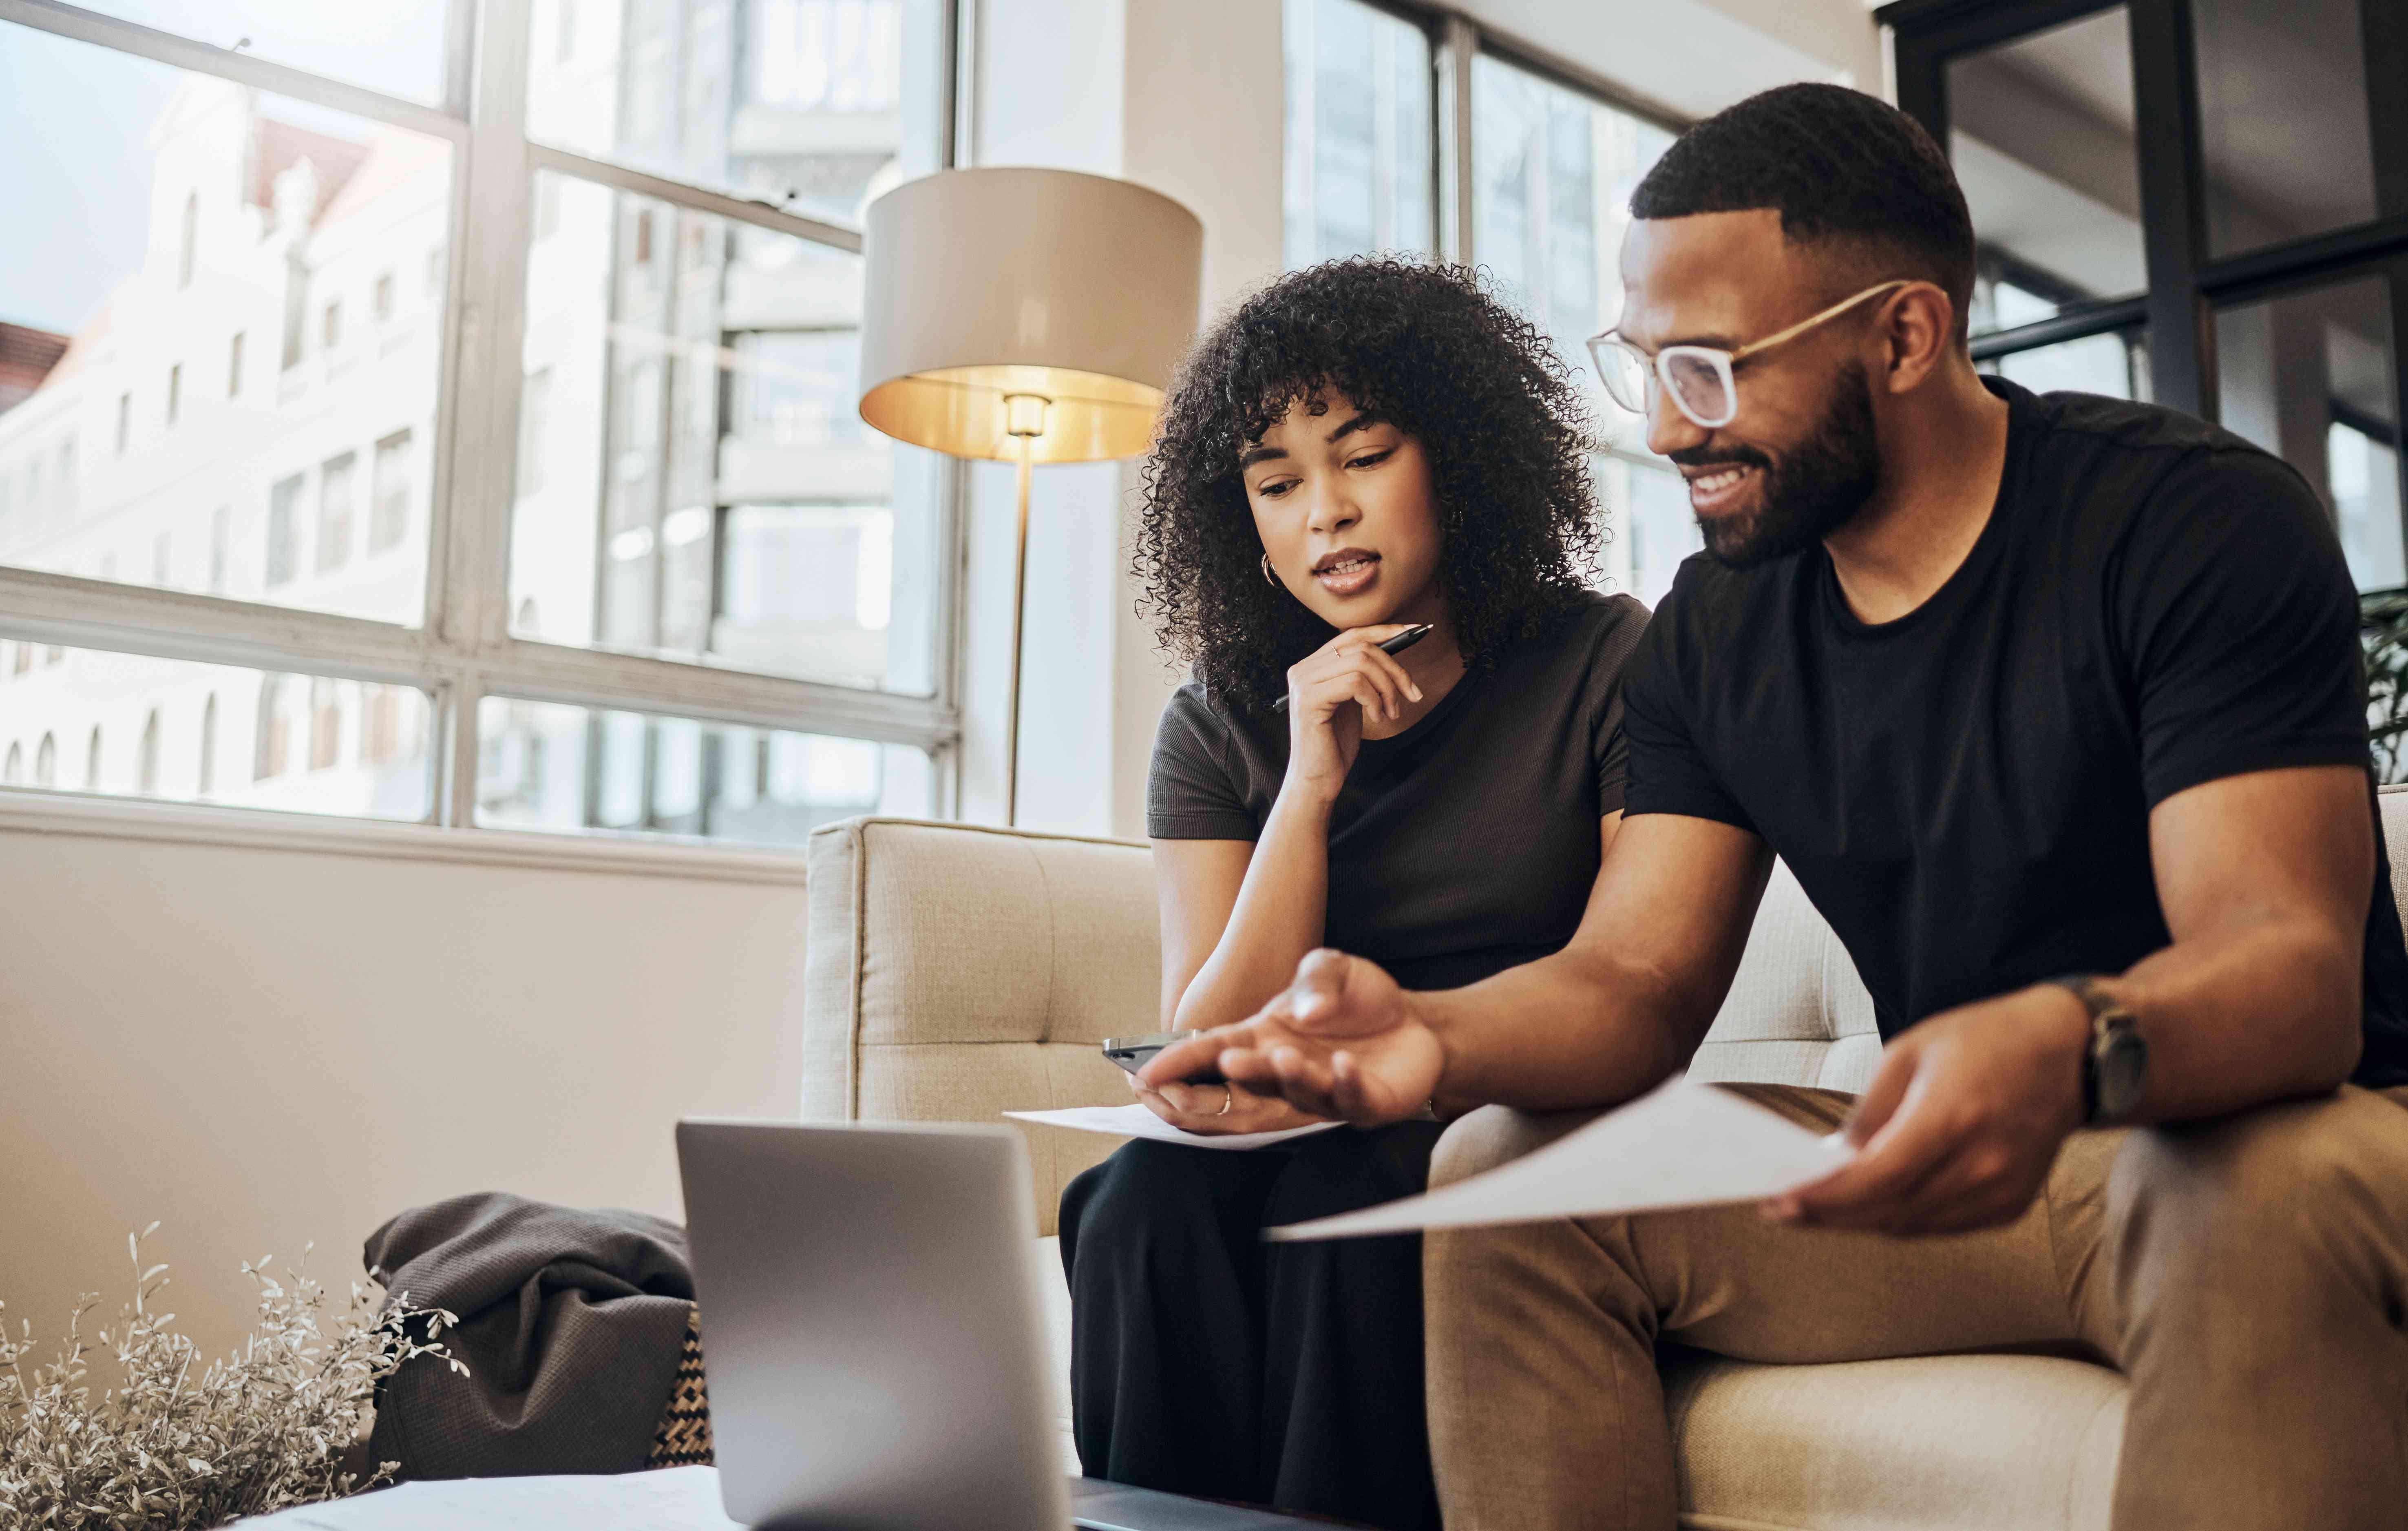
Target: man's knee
(2238,1190)
(1497,1135)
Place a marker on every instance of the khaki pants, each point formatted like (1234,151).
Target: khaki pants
(2247,1275)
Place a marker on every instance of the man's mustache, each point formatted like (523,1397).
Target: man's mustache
(1735,456)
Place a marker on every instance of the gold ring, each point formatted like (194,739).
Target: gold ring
(1228,1099)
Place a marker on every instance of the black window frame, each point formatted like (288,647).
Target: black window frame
(2186,286)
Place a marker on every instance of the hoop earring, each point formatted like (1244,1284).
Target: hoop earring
(1268,578)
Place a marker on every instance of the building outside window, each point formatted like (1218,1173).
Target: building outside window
(682,425)
(389,515)
(1362,150)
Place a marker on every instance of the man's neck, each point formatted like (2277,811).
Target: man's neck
(1943,451)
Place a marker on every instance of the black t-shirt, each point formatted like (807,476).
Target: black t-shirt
(1467,843)
(1964,792)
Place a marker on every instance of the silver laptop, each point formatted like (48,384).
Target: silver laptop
(873,1338)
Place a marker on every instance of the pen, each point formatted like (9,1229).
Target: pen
(1398,645)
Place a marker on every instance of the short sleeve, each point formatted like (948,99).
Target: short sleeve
(1189,793)
(2239,620)
(1668,773)
(1623,626)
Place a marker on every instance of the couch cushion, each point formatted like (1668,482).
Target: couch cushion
(1965,1441)
(953,973)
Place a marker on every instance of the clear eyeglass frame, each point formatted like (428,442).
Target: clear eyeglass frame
(1700,380)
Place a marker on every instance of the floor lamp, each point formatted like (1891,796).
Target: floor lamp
(1028,316)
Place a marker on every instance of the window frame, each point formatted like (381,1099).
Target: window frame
(462,649)
(2187,285)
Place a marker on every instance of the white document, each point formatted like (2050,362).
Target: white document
(1682,1145)
(1137,1122)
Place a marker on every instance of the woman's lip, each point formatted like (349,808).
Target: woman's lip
(1350,578)
(1705,502)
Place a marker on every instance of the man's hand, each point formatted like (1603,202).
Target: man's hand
(1343,1041)
(1962,1122)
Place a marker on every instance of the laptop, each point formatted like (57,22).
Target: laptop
(873,1338)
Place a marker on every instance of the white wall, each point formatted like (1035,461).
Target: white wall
(263,1048)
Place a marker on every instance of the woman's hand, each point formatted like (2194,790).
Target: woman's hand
(1330,692)
(1196,1109)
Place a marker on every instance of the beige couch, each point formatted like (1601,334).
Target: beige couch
(955,973)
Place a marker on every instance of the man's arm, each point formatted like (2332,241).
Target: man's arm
(1621,1007)
(2264,879)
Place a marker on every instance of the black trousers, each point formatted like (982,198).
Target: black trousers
(1206,1360)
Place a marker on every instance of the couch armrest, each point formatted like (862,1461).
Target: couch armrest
(952,972)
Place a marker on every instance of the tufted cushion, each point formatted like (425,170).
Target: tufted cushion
(953,973)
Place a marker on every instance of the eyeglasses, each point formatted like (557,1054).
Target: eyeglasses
(1699,378)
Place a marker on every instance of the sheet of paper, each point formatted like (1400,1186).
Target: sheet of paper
(1682,1145)
(671,1499)
(1137,1122)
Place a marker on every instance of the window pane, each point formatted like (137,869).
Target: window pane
(1361,155)
(393,45)
(2115,365)
(124,435)
(1653,529)
(694,478)
(549,767)
(2040,132)
(128,724)
(2308,376)
(815,105)
(1550,201)
(2283,120)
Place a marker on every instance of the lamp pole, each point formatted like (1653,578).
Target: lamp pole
(1024,417)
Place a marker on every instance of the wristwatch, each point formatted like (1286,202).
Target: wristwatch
(2116,1063)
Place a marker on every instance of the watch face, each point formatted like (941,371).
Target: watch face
(2122,1062)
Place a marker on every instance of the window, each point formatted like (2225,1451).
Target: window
(45,762)
(91,762)
(283,531)
(389,514)
(534,430)
(1362,158)
(13,773)
(146,758)
(275,728)
(553,767)
(207,779)
(335,512)
(191,237)
(1553,170)
(324,166)
(325,724)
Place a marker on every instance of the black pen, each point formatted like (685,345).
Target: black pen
(1398,645)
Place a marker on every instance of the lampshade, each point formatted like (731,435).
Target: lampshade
(983,284)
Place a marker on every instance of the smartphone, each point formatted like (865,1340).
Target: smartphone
(1134,1052)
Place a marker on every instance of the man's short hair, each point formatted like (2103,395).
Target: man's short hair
(1838,166)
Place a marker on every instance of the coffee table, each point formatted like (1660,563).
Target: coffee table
(687,1499)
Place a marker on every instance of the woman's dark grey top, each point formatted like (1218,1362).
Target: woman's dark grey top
(1465,845)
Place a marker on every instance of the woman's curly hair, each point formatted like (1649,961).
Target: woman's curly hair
(1431,348)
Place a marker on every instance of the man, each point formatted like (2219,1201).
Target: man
(2053,705)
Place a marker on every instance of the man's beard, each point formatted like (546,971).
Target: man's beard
(1817,486)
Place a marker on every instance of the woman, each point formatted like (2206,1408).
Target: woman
(1360,448)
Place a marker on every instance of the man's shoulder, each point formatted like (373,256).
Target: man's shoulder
(2138,455)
